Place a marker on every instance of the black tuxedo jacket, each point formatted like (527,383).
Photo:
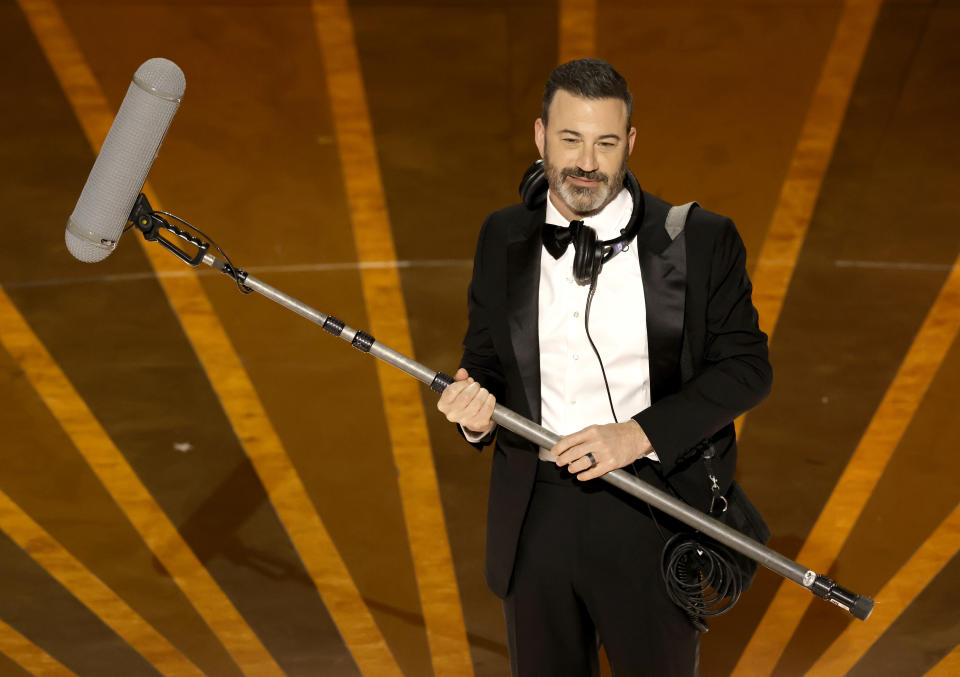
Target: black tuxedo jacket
(699,315)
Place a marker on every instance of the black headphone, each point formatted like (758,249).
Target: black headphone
(590,252)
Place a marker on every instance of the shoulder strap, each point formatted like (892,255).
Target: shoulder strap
(677,219)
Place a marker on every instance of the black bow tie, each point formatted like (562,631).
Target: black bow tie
(557,238)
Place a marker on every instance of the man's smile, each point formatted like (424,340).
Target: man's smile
(580,181)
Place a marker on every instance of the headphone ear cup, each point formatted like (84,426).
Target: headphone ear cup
(533,186)
(588,255)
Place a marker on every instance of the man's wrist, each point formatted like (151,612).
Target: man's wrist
(644,447)
(476,435)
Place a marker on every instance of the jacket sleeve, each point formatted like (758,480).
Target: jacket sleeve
(733,374)
(479,355)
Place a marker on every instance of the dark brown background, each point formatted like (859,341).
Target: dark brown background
(453,89)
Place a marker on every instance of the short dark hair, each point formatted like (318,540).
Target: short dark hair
(589,79)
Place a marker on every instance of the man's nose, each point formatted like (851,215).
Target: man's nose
(588,158)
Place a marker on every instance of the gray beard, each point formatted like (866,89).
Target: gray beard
(582,200)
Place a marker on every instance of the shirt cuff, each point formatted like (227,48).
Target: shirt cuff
(474,437)
(653,456)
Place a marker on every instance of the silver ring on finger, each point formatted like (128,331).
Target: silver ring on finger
(593,459)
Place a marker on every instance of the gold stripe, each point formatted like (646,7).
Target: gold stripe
(252,425)
(781,249)
(896,595)
(578,29)
(856,484)
(263,446)
(406,421)
(242,406)
(91,591)
(811,156)
(949,665)
(133,498)
(29,656)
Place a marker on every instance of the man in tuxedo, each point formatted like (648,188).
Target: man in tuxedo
(642,366)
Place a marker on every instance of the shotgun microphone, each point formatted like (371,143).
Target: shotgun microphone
(125,159)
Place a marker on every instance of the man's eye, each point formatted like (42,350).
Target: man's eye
(570,140)
(607,144)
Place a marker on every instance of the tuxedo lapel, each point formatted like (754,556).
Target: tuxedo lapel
(663,265)
(523,289)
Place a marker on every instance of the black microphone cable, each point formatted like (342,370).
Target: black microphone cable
(606,383)
(586,327)
(701,578)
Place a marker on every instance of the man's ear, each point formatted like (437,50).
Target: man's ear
(631,137)
(539,135)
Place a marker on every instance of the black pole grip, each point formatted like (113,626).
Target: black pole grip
(362,341)
(440,382)
(860,606)
(333,326)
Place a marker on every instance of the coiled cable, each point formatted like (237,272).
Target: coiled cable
(701,577)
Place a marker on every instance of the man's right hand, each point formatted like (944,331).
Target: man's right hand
(467,403)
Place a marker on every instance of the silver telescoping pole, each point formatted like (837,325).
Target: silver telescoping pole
(859,606)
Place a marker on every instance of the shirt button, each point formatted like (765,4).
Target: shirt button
(576,356)
(576,314)
(573,401)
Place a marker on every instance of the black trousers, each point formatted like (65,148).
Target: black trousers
(587,572)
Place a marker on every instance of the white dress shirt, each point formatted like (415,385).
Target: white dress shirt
(572,392)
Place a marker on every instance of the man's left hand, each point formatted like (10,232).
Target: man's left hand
(613,446)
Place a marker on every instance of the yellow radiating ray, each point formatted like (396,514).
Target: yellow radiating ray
(895,596)
(784,239)
(133,498)
(29,656)
(949,666)
(808,166)
(811,156)
(91,591)
(383,297)
(578,29)
(242,406)
(856,484)
(272,464)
